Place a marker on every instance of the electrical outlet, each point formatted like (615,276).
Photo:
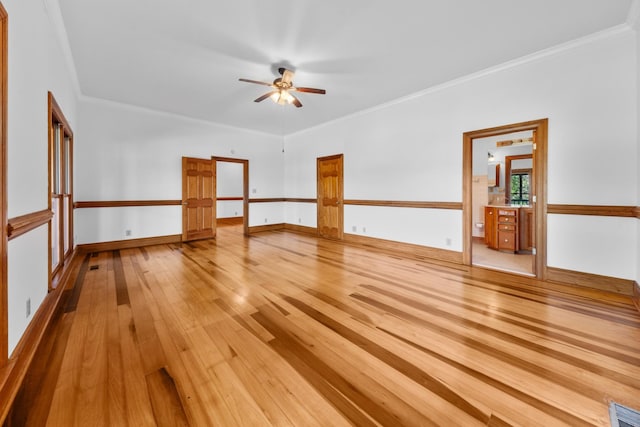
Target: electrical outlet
(364,229)
(354,228)
(236,213)
(265,220)
(127,233)
(448,241)
(299,220)
(28,307)
(254,190)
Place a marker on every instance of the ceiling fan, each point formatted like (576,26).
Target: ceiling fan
(282,87)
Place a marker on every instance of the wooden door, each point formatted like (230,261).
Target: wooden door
(330,197)
(198,198)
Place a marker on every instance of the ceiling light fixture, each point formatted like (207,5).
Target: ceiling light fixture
(282,97)
(281,87)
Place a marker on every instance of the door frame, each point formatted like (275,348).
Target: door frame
(341,191)
(540,129)
(245,187)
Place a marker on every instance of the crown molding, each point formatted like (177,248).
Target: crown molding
(533,57)
(167,114)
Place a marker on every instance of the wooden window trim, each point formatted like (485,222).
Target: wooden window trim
(55,115)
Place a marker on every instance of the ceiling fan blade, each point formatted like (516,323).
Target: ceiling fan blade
(265,96)
(296,101)
(287,76)
(256,82)
(310,90)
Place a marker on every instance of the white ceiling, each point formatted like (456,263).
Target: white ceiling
(185,57)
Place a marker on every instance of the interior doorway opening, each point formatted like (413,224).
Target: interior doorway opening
(232,192)
(502,194)
(504,175)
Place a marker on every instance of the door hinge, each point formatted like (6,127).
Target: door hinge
(534,146)
(534,198)
(533,251)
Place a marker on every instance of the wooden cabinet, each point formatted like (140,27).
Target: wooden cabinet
(502,228)
(526,230)
(490,227)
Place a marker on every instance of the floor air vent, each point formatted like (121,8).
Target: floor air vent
(621,416)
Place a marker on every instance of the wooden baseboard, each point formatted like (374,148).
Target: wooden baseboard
(128,244)
(593,281)
(236,220)
(407,249)
(415,251)
(12,375)
(301,229)
(268,227)
(636,295)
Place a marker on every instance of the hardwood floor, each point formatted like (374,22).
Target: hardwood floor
(285,329)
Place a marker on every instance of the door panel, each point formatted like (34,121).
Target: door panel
(330,197)
(198,198)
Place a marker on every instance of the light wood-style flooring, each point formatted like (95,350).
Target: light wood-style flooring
(284,329)
(519,263)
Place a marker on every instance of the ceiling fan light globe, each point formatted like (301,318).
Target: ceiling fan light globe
(287,97)
(282,97)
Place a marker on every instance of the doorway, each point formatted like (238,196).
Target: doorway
(330,197)
(232,192)
(504,175)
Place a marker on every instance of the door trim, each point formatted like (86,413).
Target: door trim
(540,129)
(245,187)
(340,190)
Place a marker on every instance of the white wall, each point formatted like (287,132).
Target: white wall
(229,184)
(36,66)
(637,30)
(128,153)
(412,150)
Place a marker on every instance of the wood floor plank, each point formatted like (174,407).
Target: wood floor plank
(92,401)
(139,408)
(285,329)
(165,400)
(115,378)
(301,403)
